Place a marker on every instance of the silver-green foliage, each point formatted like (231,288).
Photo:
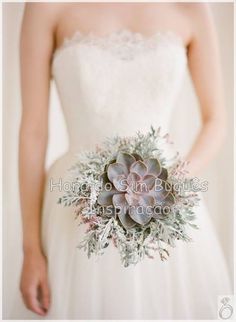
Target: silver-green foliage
(138,242)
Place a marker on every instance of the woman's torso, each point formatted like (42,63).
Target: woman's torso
(118,69)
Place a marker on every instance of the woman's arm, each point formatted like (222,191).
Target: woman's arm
(204,64)
(36,49)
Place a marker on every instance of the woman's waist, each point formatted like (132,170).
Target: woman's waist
(91,137)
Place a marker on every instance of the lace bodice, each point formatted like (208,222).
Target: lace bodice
(117,83)
(122,43)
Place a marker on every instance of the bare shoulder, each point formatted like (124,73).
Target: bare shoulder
(193,8)
(46,8)
(198,13)
(199,20)
(44,12)
(39,26)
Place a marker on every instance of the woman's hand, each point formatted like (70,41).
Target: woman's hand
(34,283)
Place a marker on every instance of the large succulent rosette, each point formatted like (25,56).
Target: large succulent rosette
(135,190)
(125,192)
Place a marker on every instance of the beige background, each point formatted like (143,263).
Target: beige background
(219,173)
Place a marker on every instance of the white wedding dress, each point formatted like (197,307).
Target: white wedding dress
(118,84)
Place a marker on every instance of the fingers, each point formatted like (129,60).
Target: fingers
(45,295)
(34,286)
(31,301)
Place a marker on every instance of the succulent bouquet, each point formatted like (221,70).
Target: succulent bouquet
(131,194)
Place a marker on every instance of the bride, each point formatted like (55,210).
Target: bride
(118,68)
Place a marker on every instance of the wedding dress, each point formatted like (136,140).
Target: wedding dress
(109,85)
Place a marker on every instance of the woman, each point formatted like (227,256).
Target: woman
(118,72)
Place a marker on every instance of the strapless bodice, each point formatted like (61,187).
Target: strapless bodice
(117,84)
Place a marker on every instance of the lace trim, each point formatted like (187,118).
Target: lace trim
(124,43)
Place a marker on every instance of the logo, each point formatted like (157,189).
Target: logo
(225,307)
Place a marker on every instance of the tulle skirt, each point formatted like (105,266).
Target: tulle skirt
(186,286)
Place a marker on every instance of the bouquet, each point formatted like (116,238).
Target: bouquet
(129,193)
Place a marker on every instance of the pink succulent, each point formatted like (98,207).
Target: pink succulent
(136,188)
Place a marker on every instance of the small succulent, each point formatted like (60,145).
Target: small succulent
(134,188)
